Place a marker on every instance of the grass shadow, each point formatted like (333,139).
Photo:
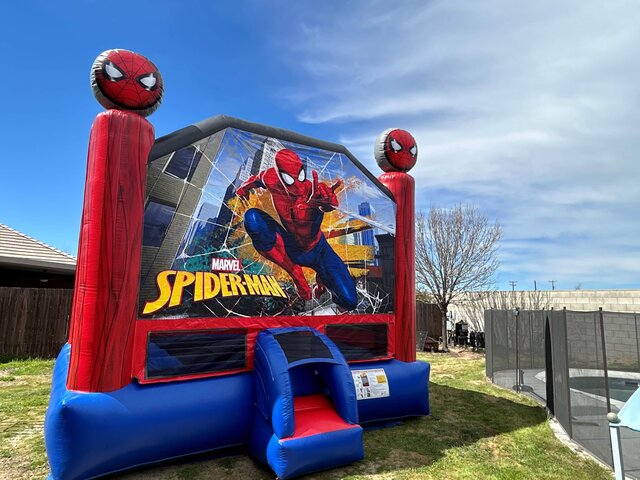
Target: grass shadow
(459,418)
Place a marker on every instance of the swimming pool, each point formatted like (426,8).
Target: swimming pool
(619,388)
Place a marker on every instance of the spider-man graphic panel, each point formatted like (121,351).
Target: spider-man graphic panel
(298,240)
(238,207)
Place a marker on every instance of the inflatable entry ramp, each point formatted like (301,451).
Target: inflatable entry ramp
(307,413)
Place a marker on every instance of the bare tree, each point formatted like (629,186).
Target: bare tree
(456,251)
(424,296)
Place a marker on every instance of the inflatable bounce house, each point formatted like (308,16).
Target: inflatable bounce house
(237,286)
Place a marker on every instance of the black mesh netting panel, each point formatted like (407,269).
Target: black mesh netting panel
(587,382)
(621,340)
(531,353)
(360,341)
(559,370)
(488,348)
(503,348)
(171,354)
(302,345)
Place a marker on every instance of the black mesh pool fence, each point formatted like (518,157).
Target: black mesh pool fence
(579,365)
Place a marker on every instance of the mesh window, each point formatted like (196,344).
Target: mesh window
(183,163)
(360,341)
(302,345)
(171,354)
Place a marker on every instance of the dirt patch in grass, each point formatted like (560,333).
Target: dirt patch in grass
(12,381)
(465,353)
(21,454)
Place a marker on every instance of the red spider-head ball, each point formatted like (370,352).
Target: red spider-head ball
(126,80)
(291,171)
(396,150)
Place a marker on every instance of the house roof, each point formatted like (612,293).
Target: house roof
(20,251)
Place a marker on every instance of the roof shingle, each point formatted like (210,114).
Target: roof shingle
(17,249)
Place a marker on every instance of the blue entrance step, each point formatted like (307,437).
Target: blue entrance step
(307,414)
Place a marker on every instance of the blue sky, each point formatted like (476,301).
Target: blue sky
(528,110)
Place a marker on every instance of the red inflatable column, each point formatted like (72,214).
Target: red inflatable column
(106,290)
(396,153)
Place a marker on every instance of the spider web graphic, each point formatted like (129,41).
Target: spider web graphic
(208,223)
(372,298)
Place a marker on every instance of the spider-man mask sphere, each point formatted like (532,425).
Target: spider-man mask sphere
(125,80)
(396,150)
(291,171)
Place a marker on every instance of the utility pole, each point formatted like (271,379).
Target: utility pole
(535,286)
(553,284)
(513,285)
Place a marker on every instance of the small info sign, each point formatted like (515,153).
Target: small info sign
(370,383)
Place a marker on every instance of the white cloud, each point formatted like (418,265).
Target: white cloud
(531,110)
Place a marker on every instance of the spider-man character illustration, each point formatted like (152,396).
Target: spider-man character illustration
(298,242)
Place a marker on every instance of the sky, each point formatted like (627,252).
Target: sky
(529,111)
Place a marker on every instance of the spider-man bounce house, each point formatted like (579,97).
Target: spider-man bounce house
(237,286)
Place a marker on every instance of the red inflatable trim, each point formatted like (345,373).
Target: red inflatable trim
(106,290)
(402,186)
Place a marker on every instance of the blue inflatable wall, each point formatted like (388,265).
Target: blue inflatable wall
(88,435)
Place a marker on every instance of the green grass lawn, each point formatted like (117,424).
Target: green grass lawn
(476,430)
(24,394)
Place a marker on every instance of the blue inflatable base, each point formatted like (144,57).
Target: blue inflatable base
(91,434)
(408,391)
(88,435)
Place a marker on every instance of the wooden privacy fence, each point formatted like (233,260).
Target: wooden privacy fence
(34,322)
(429,319)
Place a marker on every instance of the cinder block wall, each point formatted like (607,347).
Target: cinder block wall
(470,307)
(585,300)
